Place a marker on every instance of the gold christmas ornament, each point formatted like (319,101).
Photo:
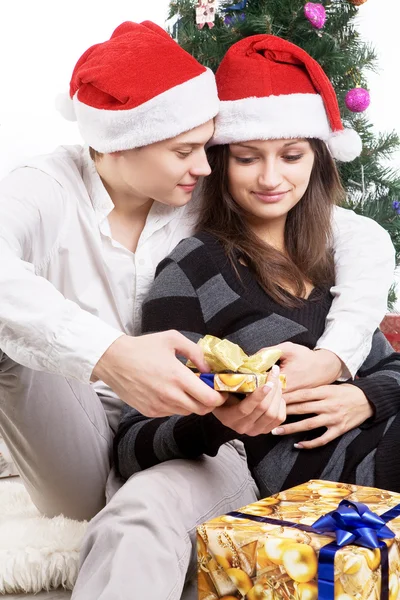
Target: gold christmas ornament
(328,492)
(269,501)
(241,580)
(373,557)
(228,519)
(260,592)
(275,547)
(260,510)
(352,565)
(300,562)
(307,591)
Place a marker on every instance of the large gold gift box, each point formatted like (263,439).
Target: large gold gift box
(240,558)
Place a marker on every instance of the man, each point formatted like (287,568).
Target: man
(79,243)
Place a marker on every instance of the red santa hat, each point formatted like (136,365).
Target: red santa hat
(272,89)
(138,88)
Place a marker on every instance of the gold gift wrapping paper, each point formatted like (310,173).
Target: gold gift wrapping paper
(234,370)
(243,559)
(241,383)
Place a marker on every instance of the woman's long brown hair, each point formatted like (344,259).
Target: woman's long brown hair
(308,229)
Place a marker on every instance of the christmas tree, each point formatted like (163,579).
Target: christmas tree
(328,33)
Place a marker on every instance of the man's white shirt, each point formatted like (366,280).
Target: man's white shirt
(68,290)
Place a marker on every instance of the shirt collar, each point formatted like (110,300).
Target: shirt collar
(98,194)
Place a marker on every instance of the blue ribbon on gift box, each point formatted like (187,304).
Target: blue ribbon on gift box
(350,523)
(208,378)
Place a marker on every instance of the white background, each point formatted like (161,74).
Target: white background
(41,40)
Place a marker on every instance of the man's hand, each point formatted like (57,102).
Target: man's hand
(145,373)
(305,368)
(259,412)
(339,408)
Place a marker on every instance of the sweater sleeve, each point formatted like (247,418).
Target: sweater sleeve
(364,271)
(142,442)
(379,379)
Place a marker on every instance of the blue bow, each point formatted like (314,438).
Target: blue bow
(354,523)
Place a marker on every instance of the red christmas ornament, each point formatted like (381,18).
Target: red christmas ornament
(357,2)
(390,327)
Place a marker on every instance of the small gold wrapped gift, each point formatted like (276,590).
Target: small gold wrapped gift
(265,551)
(231,369)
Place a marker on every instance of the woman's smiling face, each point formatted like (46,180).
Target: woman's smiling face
(267,178)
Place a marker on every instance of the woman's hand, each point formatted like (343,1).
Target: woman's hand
(339,408)
(259,412)
(305,368)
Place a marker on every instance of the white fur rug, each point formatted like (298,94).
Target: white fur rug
(36,553)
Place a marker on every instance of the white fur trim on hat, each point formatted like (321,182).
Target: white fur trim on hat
(165,116)
(271,117)
(345,145)
(65,106)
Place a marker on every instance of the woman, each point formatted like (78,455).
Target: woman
(259,272)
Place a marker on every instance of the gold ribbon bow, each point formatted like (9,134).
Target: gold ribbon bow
(224,356)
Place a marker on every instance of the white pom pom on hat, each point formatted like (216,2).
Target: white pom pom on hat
(65,106)
(345,145)
(270,88)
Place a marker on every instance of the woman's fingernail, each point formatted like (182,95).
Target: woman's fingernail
(268,387)
(275,370)
(278,431)
(298,446)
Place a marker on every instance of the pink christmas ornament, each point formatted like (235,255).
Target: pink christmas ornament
(316,14)
(357,99)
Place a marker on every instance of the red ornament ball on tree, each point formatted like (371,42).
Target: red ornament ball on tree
(358,2)
(390,327)
(357,99)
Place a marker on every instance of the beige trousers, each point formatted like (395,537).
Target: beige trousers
(142,544)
